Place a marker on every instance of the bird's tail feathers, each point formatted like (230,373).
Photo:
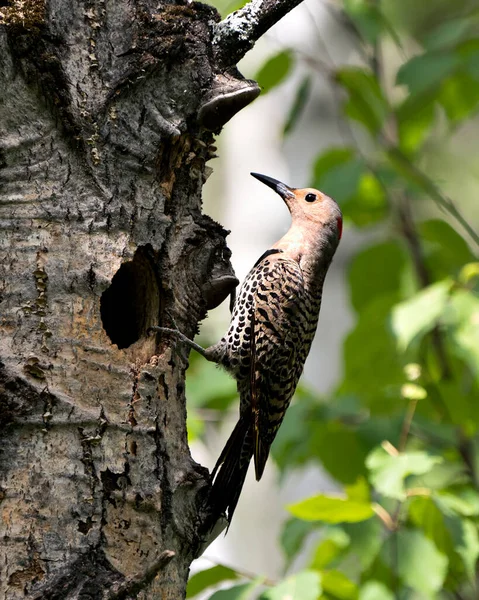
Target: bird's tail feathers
(231,468)
(261,453)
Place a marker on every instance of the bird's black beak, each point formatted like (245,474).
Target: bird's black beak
(280,188)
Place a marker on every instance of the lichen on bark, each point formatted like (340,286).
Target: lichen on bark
(27,14)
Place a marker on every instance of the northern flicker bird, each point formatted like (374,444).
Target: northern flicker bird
(272,326)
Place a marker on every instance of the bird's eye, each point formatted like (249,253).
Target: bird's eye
(310,197)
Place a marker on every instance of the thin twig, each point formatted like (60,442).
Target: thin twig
(385,517)
(406,427)
(408,230)
(243,572)
(430,188)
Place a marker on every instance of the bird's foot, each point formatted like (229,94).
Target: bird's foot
(181,336)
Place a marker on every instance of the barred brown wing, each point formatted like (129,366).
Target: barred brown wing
(280,344)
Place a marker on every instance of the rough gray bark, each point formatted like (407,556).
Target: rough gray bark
(108,111)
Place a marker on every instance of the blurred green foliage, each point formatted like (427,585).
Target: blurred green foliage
(401,431)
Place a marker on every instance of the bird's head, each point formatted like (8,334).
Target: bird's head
(309,208)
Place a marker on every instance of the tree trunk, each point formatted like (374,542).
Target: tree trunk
(108,111)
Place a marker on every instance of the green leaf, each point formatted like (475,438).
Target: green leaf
(415,317)
(292,445)
(329,548)
(344,176)
(445,250)
(466,542)
(316,431)
(374,590)
(367,103)
(337,173)
(463,316)
(427,71)
(274,71)
(331,509)
(441,475)
(300,100)
(456,397)
(209,387)
(359,490)
(469,273)
(388,473)
(372,368)
(369,278)
(194,425)
(339,450)
(459,96)
(293,536)
(206,387)
(237,592)
(230,7)
(419,563)
(414,120)
(447,34)
(338,585)
(366,17)
(366,540)
(407,175)
(425,515)
(204,579)
(331,158)
(464,502)
(468,53)
(305,585)
(369,204)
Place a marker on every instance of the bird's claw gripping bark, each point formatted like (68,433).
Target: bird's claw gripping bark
(180,336)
